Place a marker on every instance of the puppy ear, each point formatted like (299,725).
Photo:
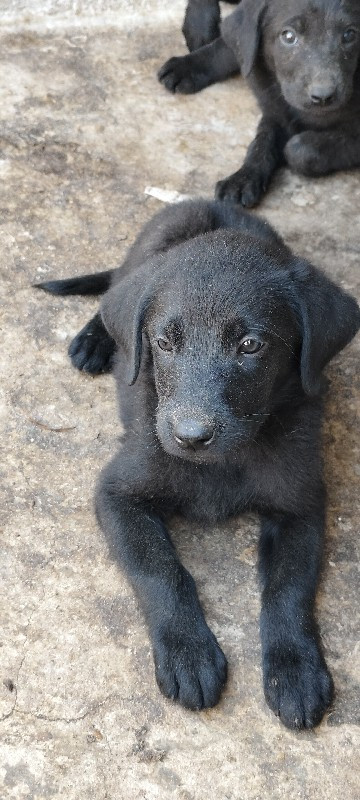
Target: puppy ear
(123,311)
(241,32)
(329,319)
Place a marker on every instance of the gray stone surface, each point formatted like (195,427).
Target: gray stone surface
(56,13)
(85,127)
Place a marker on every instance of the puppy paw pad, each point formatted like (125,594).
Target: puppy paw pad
(178,76)
(298,689)
(191,671)
(243,188)
(91,354)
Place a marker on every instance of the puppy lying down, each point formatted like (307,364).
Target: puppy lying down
(221,335)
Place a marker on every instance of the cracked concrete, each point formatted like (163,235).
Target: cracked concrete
(85,127)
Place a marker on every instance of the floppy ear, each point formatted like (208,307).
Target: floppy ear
(241,32)
(123,312)
(329,319)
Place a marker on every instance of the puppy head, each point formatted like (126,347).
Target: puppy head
(229,321)
(311,46)
(314,49)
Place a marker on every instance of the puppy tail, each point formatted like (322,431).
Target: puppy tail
(84,284)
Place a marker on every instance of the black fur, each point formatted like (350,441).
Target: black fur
(222,335)
(308,90)
(202,22)
(92,350)
(86,284)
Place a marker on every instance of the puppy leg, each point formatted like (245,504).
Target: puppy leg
(320,152)
(251,181)
(188,74)
(201,23)
(297,684)
(189,665)
(92,350)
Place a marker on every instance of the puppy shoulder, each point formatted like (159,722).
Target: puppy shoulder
(287,464)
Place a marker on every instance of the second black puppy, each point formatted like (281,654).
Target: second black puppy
(222,335)
(301,59)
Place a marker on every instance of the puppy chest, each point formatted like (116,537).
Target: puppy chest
(210,499)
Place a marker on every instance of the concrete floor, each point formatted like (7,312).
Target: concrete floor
(85,128)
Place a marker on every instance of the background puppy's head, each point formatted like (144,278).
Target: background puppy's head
(311,46)
(230,322)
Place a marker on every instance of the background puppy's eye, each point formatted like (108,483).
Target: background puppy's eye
(349,36)
(288,36)
(249,346)
(164,344)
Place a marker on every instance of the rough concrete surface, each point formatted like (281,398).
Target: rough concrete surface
(85,127)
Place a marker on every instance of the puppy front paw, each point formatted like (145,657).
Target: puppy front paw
(189,668)
(302,155)
(297,684)
(92,350)
(180,75)
(246,186)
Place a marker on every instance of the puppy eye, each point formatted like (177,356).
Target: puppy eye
(288,37)
(164,344)
(349,36)
(249,346)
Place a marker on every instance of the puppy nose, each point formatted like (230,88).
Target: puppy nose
(322,95)
(192,433)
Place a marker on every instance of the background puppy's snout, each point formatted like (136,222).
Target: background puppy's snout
(193,433)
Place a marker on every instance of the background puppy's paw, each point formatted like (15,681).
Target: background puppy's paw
(92,350)
(179,75)
(302,155)
(297,684)
(191,669)
(245,186)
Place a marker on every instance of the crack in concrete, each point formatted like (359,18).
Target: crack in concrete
(69,720)
(10,713)
(103,771)
(16,681)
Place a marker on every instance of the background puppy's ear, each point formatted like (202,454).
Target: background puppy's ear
(241,32)
(123,311)
(329,319)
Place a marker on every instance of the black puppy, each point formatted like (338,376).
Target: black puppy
(222,335)
(202,22)
(301,59)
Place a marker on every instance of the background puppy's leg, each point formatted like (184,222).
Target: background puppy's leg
(92,350)
(251,181)
(189,664)
(201,23)
(297,684)
(188,74)
(321,152)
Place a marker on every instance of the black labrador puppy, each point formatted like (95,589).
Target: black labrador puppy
(202,22)
(301,59)
(221,336)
